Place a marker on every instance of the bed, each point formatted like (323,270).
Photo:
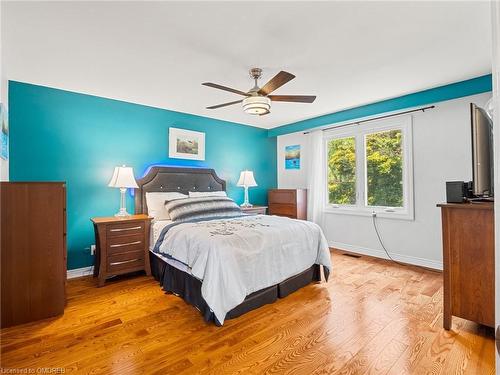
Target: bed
(178,275)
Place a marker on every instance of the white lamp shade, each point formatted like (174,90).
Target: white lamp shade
(123,177)
(246,179)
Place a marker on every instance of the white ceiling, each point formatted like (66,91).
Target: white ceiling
(159,53)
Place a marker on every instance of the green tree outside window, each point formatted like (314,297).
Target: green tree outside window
(342,171)
(384,169)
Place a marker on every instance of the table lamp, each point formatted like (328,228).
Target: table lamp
(246,180)
(123,178)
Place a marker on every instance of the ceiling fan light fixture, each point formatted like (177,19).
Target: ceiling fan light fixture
(257,105)
(257,100)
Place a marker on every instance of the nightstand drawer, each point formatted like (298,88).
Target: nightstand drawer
(255,210)
(125,229)
(126,261)
(124,244)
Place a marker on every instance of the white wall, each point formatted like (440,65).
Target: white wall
(442,152)
(4,164)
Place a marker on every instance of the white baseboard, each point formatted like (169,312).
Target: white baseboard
(381,254)
(80,272)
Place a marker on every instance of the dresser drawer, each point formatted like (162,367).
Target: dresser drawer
(125,261)
(124,244)
(125,229)
(289,210)
(283,196)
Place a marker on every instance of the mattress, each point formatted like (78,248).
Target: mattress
(156,228)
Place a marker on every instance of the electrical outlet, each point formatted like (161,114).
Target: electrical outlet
(92,249)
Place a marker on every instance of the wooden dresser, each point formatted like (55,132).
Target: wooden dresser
(33,251)
(122,245)
(468,262)
(288,202)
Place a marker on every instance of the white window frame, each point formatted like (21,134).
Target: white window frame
(359,132)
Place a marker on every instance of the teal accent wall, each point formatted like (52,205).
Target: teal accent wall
(438,94)
(58,135)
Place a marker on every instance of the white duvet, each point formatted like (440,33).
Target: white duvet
(238,256)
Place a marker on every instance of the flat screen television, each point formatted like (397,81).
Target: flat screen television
(482,153)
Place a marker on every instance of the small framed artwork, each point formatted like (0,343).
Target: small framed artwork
(4,133)
(186,144)
(292,157)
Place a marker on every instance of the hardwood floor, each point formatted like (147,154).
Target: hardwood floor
(372,317)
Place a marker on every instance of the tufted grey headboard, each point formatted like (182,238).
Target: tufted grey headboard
(179,179)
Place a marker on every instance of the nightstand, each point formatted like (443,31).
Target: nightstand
(122,245)
(254,210)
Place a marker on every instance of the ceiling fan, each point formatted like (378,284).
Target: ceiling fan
(258,100)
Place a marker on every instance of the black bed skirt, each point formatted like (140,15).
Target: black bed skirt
(186,286)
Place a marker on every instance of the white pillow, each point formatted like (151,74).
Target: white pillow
(156,203)
(199,194)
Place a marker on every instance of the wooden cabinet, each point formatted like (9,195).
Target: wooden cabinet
(122,245)
(468,262)
(33,251)
(254,210)
(288,202)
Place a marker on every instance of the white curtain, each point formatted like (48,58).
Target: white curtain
(495,18)
(316,178)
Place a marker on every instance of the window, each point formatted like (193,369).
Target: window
(369,168)
(342,171)
(384,169)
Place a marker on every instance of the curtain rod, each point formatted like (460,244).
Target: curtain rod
(376,118)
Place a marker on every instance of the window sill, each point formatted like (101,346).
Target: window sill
(368,213)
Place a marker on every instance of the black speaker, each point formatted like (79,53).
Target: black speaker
(456,191)
(468,190)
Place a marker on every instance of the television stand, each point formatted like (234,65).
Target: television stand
(468,262)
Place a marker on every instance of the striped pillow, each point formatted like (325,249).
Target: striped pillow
(200,208)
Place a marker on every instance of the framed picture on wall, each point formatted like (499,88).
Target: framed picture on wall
(186,144)
(292,157)
(4,133)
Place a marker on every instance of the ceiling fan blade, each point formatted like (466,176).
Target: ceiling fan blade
(225,104)
(220,87)
(277,81)
(293,98)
